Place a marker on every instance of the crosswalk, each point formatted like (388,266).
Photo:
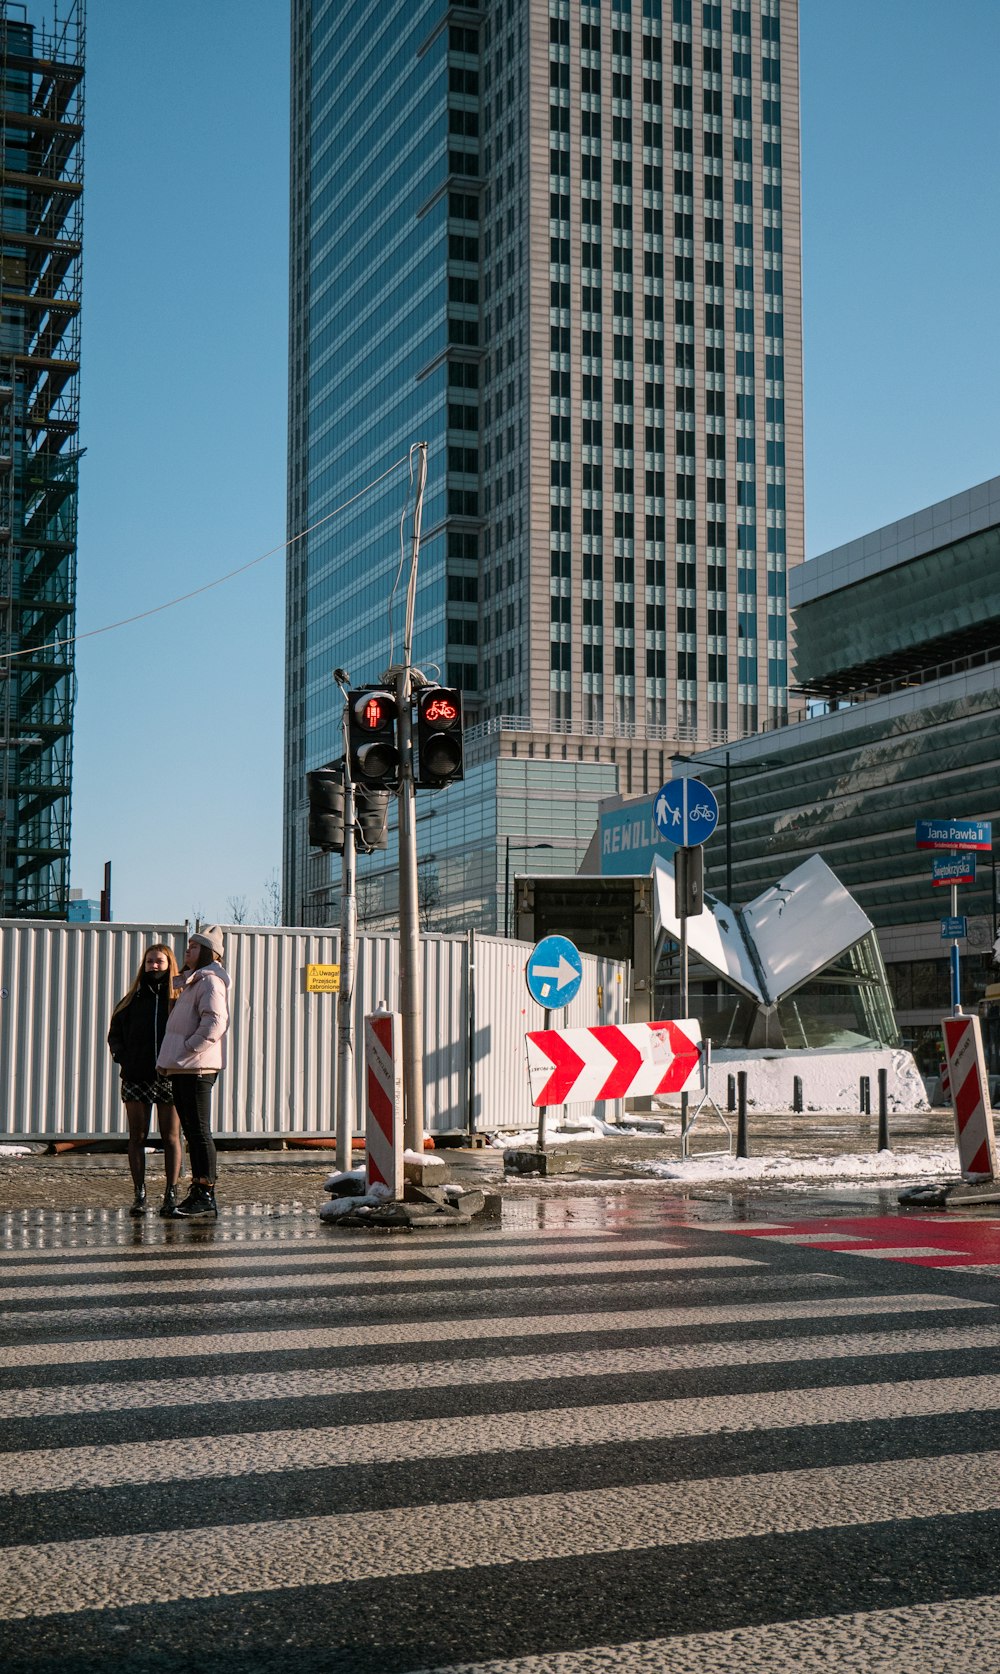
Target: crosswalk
(650,1445)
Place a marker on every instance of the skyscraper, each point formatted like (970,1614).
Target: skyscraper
(41,186)
(559,243)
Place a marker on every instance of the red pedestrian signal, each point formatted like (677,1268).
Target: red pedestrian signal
(371,732)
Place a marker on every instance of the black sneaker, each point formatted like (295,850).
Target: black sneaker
(139,1203)
(200,1201)
(168,1208)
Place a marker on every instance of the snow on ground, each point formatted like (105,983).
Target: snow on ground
(15,1150)
(847,1169)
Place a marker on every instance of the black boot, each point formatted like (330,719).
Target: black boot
(200,1202)
(168,1208)
(139,1203)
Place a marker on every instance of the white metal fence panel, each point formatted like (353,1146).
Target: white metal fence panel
(505,1012)
(59,984)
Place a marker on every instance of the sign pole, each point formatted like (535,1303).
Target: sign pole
(956,990)
(345,996)
(540,1140)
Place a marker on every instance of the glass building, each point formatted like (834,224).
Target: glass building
(898,637)
(41,195)
(559,243)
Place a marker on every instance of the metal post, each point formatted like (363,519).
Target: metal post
(684,1012)
(956,981)
(506,888)
(883,1110)
(409,915)
(730,1093)
(865,1095)
(993,870)
(345,996)
(797,1094)
(470,1084)
(741,1115)
(540,1140)
(729,834)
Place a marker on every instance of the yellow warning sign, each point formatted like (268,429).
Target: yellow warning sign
(322,979)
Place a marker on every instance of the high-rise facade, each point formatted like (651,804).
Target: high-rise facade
(560,243)
(41,186)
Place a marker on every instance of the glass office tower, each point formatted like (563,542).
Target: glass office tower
(559,243)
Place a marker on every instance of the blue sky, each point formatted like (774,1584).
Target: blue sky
(177,774)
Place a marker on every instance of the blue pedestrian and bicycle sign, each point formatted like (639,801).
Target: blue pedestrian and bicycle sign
(686,811)
(554,972)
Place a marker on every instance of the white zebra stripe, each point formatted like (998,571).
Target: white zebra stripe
(965,1630)
(78,1399)
(351,1278)
(88,1351)
(249,1453)
(65,1577)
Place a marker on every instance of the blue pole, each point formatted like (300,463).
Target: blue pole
(956,995)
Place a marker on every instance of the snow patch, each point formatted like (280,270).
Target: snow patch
(848,1169)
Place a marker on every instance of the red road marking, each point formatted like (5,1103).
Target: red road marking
(961,1243)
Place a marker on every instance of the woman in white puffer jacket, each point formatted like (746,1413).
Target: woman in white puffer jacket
(192,1054)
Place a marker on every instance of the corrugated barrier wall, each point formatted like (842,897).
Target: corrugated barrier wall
(59,984)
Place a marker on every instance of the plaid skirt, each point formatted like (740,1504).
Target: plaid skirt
(158,1091)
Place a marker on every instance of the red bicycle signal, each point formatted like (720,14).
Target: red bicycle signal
(440,709)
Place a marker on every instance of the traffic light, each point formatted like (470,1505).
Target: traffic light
(689,881)
(439,736)
(371,819)
(325,789)
(371,735)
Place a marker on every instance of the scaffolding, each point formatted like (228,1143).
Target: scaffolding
(41,244)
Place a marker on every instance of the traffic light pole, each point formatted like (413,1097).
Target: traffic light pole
(345,996)
(409,918)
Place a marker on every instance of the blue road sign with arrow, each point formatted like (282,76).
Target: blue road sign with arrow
(554,972)
(686,811)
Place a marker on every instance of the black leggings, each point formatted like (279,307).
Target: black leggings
(193,1103)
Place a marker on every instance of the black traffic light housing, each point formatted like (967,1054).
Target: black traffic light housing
(371,819)
(440,745)
(325,789)
(371,737)
(689,881)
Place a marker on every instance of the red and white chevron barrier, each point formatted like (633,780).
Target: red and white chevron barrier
(384,1101)
(629,1060)
(970,1096)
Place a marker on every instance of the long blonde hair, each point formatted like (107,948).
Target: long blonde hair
(155,947)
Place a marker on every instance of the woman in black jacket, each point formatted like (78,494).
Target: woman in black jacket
(138,1023)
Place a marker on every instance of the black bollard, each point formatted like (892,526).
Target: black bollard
(883,1110)
(866,1095)
(730,1092)
(797,1094)
(741,1117)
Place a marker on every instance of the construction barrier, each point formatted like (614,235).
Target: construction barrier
(384,1102)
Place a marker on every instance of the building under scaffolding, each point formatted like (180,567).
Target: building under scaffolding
(41,181)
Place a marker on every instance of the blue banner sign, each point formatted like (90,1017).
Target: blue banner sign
(954,834)
(956,869)
(954,929)
(630,841)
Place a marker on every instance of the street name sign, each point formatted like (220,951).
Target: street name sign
(954,834)
(954,929)
(686,812)
(631,1060)
(955,869)
(554,972)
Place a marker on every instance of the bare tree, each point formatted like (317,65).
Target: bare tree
(428,893)
(269,906)
(238,907)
